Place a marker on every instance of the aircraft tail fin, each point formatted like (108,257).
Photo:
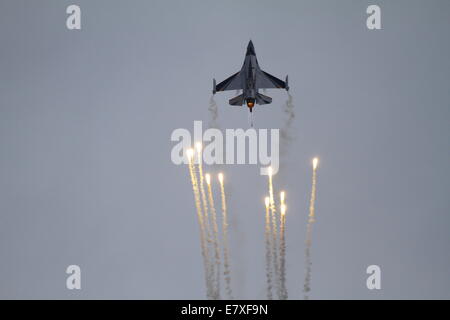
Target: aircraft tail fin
(263,99)
(237,101)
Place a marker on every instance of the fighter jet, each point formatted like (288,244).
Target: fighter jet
(250,79)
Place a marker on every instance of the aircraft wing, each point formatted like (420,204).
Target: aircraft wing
(232,83)
(265,80)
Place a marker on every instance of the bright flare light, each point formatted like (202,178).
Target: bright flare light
(208,178)
(220,176)
(270,171)
(315,163)
(198,146)
(283,209)
(190,153)
(282,196)
(267,201)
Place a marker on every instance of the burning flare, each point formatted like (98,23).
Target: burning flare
(315,163)
(274,231)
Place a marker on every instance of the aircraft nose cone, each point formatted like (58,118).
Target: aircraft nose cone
(250,48)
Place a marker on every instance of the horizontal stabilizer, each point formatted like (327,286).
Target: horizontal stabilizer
(237,101)
(262,99)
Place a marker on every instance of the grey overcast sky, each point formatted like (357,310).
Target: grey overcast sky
(85,124)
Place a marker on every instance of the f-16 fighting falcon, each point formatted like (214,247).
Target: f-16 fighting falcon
(250,79)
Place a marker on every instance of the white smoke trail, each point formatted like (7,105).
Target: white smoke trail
(200,222)
(274,233)
(308,263)
(206,222)
(287,136)
(286,132)
(311,220)
(216,234)
(213,113)
(227,271)
(283,290)
(268,242)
